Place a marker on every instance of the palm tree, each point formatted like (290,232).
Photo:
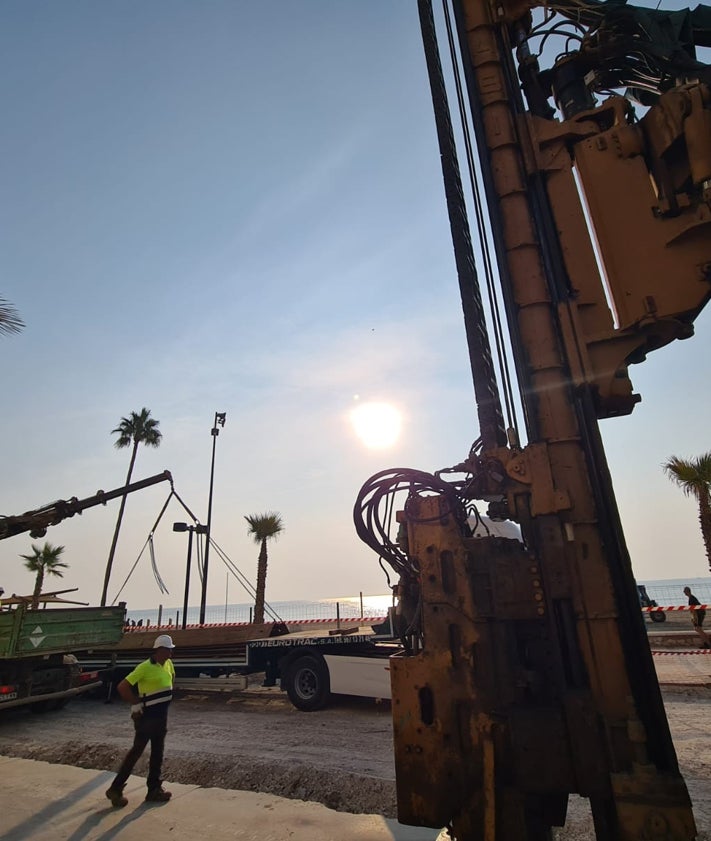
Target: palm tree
(694,478)
(44,561)
(139,428)
(10,321)
(263,527)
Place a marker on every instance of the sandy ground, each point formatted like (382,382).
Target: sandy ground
(341,756)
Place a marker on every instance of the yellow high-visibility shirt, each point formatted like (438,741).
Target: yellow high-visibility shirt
(155,685)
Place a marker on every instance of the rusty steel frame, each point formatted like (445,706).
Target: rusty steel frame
(535,677)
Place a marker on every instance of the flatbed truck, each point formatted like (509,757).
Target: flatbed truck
(38,648)
(312,666)
(309,665)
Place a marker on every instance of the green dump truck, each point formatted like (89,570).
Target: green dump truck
(38,648)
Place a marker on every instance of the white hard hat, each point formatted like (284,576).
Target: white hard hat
(163,641)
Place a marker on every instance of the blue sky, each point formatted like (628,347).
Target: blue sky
(236,206)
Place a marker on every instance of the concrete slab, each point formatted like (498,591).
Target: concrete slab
(675,668)
(43,802)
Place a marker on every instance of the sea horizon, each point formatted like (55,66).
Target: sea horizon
(347,607)
(666,592)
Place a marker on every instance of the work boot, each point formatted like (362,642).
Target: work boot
(116,797)
(158,795)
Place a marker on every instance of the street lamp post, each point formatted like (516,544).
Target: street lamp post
(189,529)
(219,421)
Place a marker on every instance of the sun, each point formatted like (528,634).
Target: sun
(377,425)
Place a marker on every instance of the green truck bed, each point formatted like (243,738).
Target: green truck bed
(27,633)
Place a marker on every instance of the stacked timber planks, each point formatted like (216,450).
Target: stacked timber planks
(142,639)
(225,642)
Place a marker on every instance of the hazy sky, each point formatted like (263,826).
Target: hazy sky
(236,206)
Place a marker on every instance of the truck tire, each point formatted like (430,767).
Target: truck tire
(657,616)
(307,682)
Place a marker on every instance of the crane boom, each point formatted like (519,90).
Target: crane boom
(36,522)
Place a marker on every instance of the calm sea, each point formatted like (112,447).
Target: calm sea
(347,607)
(670,591)
(666,592)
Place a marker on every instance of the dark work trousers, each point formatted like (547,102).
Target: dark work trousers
(148,729)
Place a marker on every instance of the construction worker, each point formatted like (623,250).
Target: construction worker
(149,691)
(697,618)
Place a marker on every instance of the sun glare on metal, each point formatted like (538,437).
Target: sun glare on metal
(377,425)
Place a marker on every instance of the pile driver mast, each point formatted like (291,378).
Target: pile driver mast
(527,674)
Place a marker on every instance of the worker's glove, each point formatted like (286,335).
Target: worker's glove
(136,711)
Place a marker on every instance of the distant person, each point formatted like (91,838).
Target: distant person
(149,691)
(697,618)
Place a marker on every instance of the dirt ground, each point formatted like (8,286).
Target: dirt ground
(341,756)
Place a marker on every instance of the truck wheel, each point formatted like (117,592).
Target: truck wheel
(658,616)
(307,683)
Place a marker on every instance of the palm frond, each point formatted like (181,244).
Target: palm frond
(139,427)
(10,321)
(45,558)
(265,526)
(693,476)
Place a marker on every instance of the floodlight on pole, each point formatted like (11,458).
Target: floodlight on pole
(182,527)
(219,421)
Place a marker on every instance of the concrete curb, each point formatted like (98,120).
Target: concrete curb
(43,802)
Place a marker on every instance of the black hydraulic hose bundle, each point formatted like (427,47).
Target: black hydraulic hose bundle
(373,511)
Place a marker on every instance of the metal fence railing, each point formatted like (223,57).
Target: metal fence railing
(665,593)
(350,608)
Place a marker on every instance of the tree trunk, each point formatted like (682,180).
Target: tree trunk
(261,583)
(39,581)
(705,521)
(112,551)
